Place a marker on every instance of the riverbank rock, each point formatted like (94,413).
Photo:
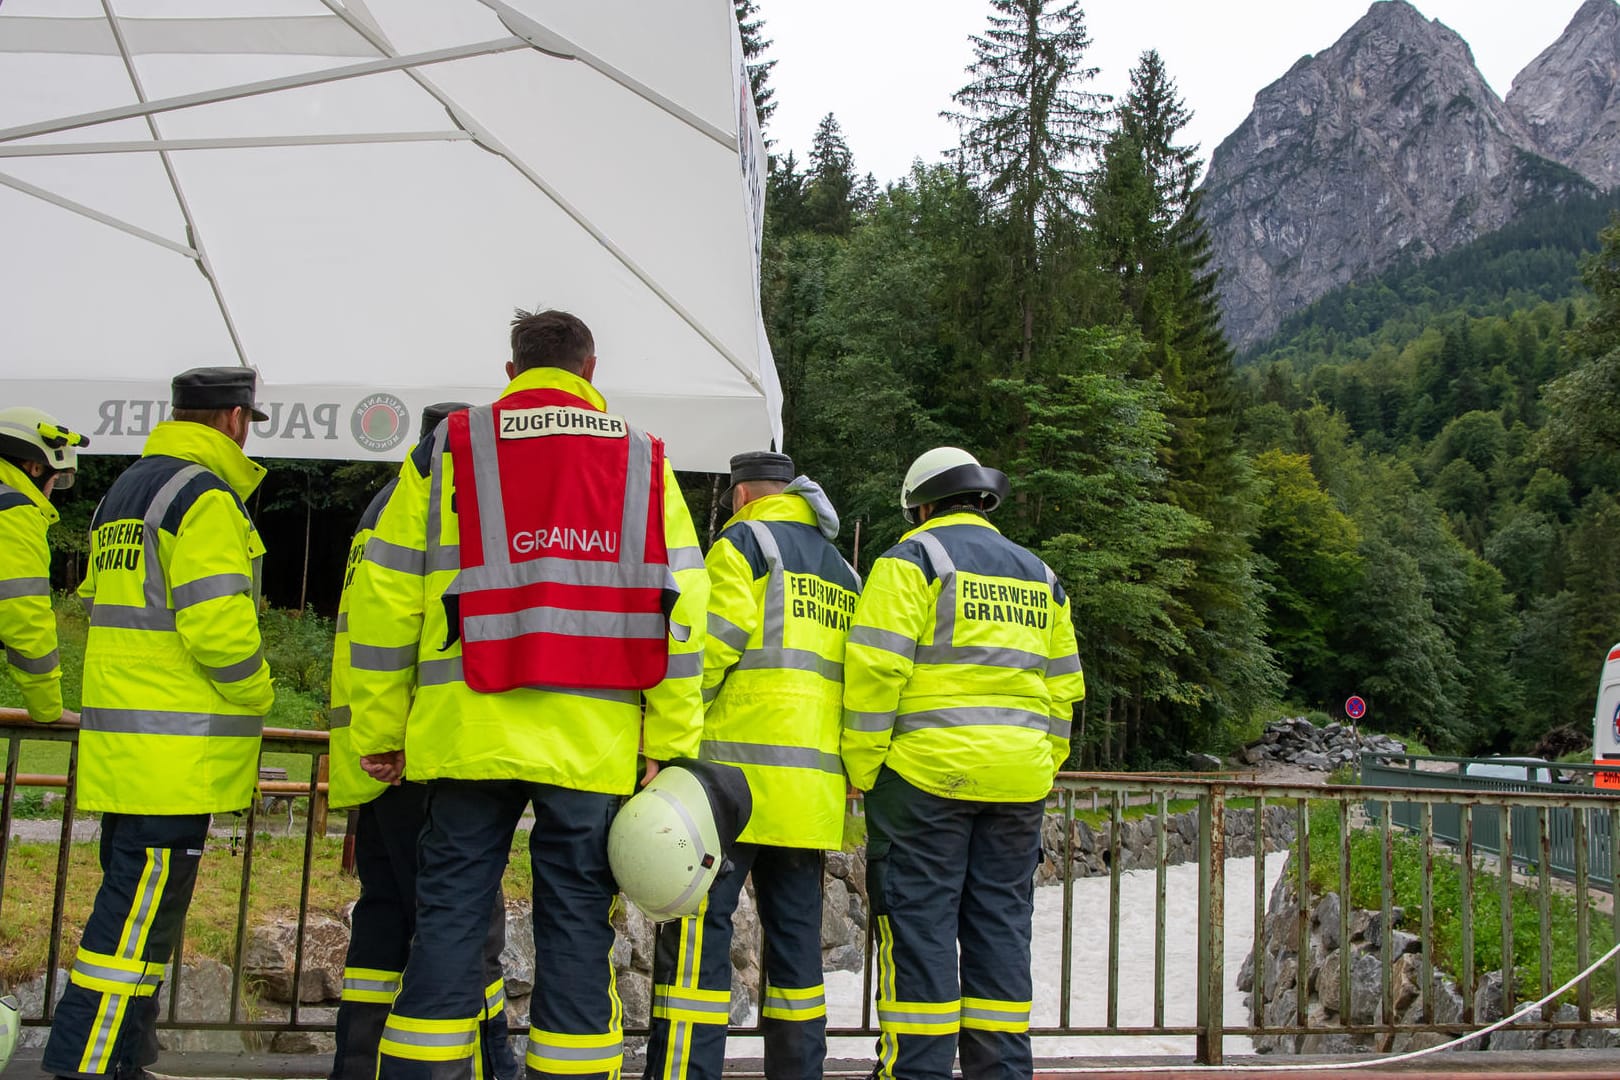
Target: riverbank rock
(1297,741)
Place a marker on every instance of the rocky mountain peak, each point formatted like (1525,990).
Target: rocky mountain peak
(1568,98)
(1388,145)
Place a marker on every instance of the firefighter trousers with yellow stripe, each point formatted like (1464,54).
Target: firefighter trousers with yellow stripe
(437,1028)
(385,836)
(942,874)
(692,972)
(106,1022)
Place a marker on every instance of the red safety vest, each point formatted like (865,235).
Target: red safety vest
(565,576)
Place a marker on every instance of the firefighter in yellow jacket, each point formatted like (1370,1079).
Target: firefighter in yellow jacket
(387,821)
(515,610)
(959,684)
(780,601)
(37,456)
(175,693)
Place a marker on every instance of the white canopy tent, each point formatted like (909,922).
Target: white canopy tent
(368,189)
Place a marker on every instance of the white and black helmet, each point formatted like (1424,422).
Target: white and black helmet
(29,434)
(945,471)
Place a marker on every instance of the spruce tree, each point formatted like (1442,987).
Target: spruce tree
(754,45)
(830,187)
(1028,124)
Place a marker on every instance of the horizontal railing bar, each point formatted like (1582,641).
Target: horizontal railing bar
(286,788)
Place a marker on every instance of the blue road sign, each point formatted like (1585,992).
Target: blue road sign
(1355,708)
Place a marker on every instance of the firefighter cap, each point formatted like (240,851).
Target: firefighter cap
(217,388)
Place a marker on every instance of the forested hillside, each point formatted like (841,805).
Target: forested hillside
(1411,493)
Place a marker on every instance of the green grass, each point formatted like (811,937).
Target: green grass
(1406,877)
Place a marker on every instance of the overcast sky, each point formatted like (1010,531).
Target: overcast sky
(886,68)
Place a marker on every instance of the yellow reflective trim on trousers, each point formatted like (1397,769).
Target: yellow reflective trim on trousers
(422,1039)
(494,998)
(888,1041)
(991,1014)
(802,1003)
(690,951)
(371,985)
(573,1054)
(109,1016)
(115,974)
(920,1017)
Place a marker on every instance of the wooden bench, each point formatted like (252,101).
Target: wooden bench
(272,803)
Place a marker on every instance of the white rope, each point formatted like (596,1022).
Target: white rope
(1368,1063)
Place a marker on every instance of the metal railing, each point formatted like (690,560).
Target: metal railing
(1486,829)
(1127,803)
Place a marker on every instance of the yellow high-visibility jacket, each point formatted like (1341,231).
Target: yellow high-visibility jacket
(175,682)
(780,602)
(406,690)
(27,623)
(347,783)
(961,671)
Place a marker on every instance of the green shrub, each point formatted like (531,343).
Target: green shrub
(299,650)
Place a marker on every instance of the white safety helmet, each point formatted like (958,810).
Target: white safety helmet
(669,842)
(945,471)
(10,1029)
(34,435)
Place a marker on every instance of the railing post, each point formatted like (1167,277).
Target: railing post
(317,798)
(1211,924)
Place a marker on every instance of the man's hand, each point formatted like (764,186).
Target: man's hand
(652,771)
(386,768)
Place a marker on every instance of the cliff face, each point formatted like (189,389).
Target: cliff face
(1568,98)
(1390,145)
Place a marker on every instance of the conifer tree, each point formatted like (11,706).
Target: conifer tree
(1028,123)
(830,186)
(754,44)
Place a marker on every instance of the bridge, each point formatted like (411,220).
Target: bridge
(1446,939)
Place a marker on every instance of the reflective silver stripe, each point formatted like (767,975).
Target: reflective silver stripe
(971,716)
(981,655)
(787,757)
(868,721)
(438,672)
(440,556)
(133,979)
(149,722)
(673,999)
(38,665)
(774,1000)
(373,986)
(796,659)
(342,624)
(555,571)
(211,588)
(395,557)
(443,557)
(24,586)
(430,1038)
(684,665)
(1015,1016)
(494,1001)
(774,627)
(1062,729)
(539,1054)
(887,640)
(337,718)
(609,624)
(382,657)
(156,596)
(89,603)
(712,692)
(1063,665)
(685,558)
(945,568)
(728,631)
(637,499)
(487,476)
(125,617)
(903,1016)
(242,669)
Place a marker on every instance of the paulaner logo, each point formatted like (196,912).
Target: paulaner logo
(379,422)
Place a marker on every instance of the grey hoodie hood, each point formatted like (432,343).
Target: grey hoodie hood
(810,491)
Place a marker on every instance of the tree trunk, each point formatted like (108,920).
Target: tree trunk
(714,506)
(303,584)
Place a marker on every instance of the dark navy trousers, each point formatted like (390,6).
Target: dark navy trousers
(385,855)
(106,1022)
(437,1029)
(692,972)
(942,874)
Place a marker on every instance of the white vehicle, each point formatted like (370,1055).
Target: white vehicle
(1606,722)
(1522,769)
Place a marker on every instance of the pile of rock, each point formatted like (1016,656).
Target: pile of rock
(1279,976)
(1297,741)
(1092,847)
